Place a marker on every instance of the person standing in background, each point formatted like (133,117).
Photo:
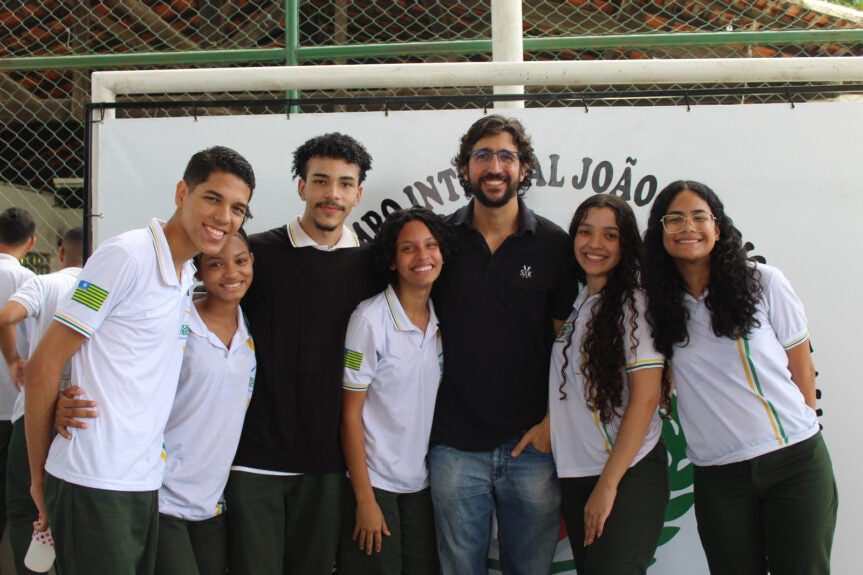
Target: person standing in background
(34,304)
(17,237)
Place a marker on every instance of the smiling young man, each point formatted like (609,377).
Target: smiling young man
(125,325)
(286,487)
(491,448)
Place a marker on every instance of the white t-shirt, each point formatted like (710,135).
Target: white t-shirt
(581,443)
(205,423)
(134,311)
(399,367)
(12,276)
(300,239)
(735,397)
(40,296)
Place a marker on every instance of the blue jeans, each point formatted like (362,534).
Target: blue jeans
(468,486)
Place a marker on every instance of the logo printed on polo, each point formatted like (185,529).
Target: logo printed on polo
(564,332)
(526,272)
(251,387)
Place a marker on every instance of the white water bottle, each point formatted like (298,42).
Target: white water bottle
(40,554)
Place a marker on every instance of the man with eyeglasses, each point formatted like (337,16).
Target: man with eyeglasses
(499,305)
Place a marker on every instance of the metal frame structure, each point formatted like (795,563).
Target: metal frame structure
(107,85)
(97,111)
(506,44)
(402,49)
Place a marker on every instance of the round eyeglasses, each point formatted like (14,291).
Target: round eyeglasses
(484,156)
(676,223)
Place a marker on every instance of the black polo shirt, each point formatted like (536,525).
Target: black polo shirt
(495,312)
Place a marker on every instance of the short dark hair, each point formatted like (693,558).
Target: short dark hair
(16,226)
(384,245)
(491,126)
(74,235)
(332,145)
(218,159)
(73,243)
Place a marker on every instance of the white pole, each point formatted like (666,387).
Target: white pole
(101,93)
(507,43)
(568,73)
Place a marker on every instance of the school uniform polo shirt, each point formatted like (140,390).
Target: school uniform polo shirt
(496,315)
(399,367)
(735,396)
(40,296)
(12,276)
(580,441)
(133,310)
(203,430)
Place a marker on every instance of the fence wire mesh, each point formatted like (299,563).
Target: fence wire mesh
(41,110)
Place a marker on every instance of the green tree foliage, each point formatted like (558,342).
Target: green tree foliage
(857,4)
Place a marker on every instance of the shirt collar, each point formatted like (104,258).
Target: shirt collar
(582,297)
(526,217)
(71,270)
(9,259)
(163,256)
(300,239)
(241,336)
(400,318)
(695,300)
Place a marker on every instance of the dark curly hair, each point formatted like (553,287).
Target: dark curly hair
(218,159)
(384,245)
(332,145)
(603,350)
(493,125)
(732,290)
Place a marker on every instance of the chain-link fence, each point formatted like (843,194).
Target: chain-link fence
(42,99)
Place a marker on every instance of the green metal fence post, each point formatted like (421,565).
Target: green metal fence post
(292,41)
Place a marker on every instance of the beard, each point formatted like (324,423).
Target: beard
(325,226)
(475,188)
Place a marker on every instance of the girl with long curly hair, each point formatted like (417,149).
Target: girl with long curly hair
(605,386)
(736,339)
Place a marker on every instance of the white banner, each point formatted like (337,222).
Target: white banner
(789,179)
